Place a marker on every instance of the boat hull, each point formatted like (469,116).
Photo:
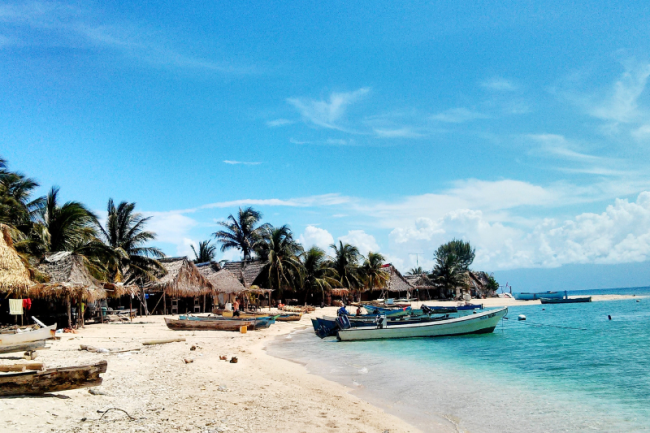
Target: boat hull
(480,323)
(565,301)
(27,337)
(211,325)
(536,296)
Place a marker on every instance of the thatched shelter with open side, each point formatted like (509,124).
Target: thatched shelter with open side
(14,275)
(182,280)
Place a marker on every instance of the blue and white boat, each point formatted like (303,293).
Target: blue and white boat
(530,296)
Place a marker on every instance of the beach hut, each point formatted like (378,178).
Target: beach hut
(425,288)
(247,272)
(68,280)
(396,284)
(182,280)
(225,285)
(14,275)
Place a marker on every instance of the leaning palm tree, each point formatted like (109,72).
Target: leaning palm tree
(346,263)
(374,275)
(241,232)
(206,252)
(124,233)
(317,274)
(280,251)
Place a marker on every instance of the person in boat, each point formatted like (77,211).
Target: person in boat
(358,313)
(342,311)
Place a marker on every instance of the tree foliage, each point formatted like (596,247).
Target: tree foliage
(346,263)
(242,232)
(374,276)
(277,247)
(206,252)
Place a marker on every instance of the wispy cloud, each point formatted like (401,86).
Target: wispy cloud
(69,25)
(231,162)
(621,104)
(499,84)
(279,122)
(327,113)
(404,132)
(458,115)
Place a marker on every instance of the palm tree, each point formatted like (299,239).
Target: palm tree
(346,263)
(280,251)
(462,250)
(448,272)
(17,208)
(416,271)
(373,273)
(316,272)
(241,233)
(206,252)
(125,236)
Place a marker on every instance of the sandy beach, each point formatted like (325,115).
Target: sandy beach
(163,393)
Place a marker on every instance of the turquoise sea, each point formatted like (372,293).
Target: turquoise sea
(567,368)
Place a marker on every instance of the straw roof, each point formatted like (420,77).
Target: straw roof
(182,279)
(14,276)
(67,276)
(397,282)
(116,290)
(339,291)
(420,282)
(245,271)
(222,280)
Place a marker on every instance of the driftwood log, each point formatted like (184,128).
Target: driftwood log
(22,367)
(52,380)
(169,340)
(27,347)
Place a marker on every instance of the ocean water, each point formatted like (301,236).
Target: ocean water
(567,368)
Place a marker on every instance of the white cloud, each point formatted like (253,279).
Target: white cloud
(499,84)
(362,240)
(404,132)
(172,228)
(279,122)
(458,115)
(327,113)
(621,104)
(314,236)
(231,162)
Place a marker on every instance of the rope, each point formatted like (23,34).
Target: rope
(550,326)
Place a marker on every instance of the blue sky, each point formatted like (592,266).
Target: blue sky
(522,127)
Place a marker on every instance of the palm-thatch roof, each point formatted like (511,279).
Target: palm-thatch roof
(338,291)
(222,280)
(117,290)
(182,280)
(67,276)
(397,282)
(420,282)
(14,276)
(246,271)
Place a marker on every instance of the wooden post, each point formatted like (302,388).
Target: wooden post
(131,308)
(144,300)
(204,302)
(80,313)
(164,304)
(69,307)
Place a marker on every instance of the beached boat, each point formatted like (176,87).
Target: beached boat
(565,300)
(535,296)
(469,307)
(18,338)
(327,326)
(52,380)
(479,323)
(388,312)
(215,325)
(290,317)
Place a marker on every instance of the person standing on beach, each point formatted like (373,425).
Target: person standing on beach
(235,308)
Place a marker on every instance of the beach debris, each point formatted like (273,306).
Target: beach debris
(169,340)
(93,349)
(234,360)
(52,380)
(22,367)
(223,357)
(193,348)
(114,408)
(188,360)
(521,317)
(94,391)
(222,388)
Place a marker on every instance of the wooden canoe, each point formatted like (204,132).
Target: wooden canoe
(23,347)
(27,337)
(52,380)
(208,325)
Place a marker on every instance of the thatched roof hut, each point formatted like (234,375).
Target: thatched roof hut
(14,276)
(222,280)
(182,280)
(246,272)
(338,291)
(117,290)
(67,276)
(420,282)
(397,282)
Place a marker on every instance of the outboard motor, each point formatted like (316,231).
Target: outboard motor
(426,310)
(381,322)
(343,322)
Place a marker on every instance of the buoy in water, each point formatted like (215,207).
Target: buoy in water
(609,317)
(521,317)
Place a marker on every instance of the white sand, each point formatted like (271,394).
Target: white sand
(260,393)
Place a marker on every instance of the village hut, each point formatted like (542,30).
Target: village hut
(422,284)
(14,275)
(336,292)
(68,279)
(479,283)
(225,285)
(396,284)
(247,272)
(181,280)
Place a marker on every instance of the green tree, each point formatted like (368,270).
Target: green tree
(463,252)
(317,274)
(281,252)
(448,272)
(124,234)
(372,272)
(346,263)
(241,232)
(416,271)
(492,285)
(206,252)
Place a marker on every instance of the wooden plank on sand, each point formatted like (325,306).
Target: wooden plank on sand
(52,380)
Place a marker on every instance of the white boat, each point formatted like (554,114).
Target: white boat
(479,323)
(28,336)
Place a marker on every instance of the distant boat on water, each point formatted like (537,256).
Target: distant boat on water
(565,300)
(534,296)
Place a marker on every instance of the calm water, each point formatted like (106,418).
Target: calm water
(567,368)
